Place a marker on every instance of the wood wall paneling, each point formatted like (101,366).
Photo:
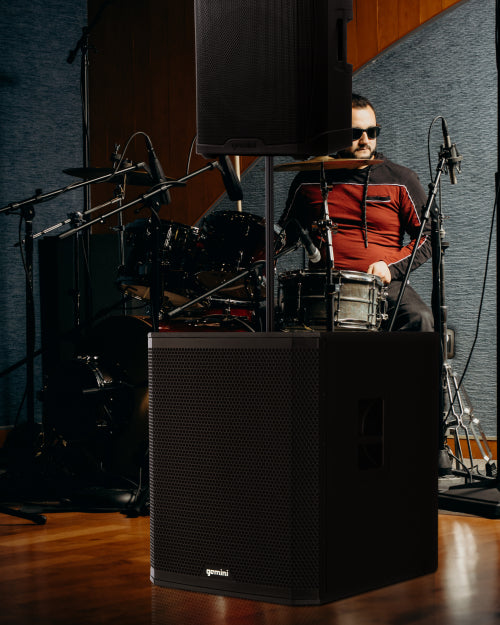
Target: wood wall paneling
(142,77)
(364,29)
(408,17)
(429,8)
(387,22)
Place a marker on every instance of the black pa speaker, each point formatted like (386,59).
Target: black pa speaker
(292,468)
(57,259)
(272,77)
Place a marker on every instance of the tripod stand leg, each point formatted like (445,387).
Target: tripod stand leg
(39,519)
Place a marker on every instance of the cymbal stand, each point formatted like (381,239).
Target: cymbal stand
(119,194)
(148,199)
(27,211)
(27,215)
(325,226)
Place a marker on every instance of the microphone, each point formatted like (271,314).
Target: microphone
(312,251)
(454,158)
(230,179)
(157,172)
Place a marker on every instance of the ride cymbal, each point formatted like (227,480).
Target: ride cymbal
(314,164)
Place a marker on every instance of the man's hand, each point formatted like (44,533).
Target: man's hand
(381,270)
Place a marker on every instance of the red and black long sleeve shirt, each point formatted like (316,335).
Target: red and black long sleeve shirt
(374,209)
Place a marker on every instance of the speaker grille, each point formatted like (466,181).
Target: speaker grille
(230,426)
(269,76)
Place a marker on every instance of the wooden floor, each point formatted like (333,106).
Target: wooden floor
(94,568)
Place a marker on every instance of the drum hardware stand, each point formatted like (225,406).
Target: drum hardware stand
(269,239)
(439,309)
(26,207)
(450,400)
(27,215)
(463,419)
(455,415)
(448,158)
(242,274)
(146,199)
(83,241)
(119,192)
(27,210)
(483,501)
(326,227)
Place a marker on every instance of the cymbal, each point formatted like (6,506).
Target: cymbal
(314,164)
(137,178)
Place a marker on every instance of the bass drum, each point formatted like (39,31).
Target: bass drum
(96,404)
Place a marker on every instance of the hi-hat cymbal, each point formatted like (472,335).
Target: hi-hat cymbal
(137,178)
(314,164)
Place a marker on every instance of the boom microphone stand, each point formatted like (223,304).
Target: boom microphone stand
(27,211)
(483,500)
(449,161)
(149,199)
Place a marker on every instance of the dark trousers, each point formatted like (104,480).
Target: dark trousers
(413,314)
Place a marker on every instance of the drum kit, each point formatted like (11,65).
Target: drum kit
(212,279)
(212,275)
(196,261)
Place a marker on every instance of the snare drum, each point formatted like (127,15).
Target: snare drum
(359,300)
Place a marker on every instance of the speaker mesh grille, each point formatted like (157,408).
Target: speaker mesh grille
(269,76)
(234,448)
(226,78)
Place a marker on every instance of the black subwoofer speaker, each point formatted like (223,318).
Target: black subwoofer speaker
(272,77)
(294,468)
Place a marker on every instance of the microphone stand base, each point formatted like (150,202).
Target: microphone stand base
(481,499)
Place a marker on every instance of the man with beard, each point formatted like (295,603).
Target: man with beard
(374,204)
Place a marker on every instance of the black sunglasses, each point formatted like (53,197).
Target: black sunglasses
(372,132)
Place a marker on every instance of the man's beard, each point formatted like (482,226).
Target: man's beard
(348,154)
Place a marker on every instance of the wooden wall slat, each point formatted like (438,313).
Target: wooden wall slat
(387,22)
(429,8)
(365,30)
(408,17)
(142,77)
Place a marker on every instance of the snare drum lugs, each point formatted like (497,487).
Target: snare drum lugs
(359,300)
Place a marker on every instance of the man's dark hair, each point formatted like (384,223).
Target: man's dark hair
(360,102)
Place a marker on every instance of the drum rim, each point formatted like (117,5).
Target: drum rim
(359,276)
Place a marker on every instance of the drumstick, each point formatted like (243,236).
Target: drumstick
(239,206)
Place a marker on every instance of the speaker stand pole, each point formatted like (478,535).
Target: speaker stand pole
(269,182)
(326,230)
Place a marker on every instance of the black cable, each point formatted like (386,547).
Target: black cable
(483,290)
(190,154)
